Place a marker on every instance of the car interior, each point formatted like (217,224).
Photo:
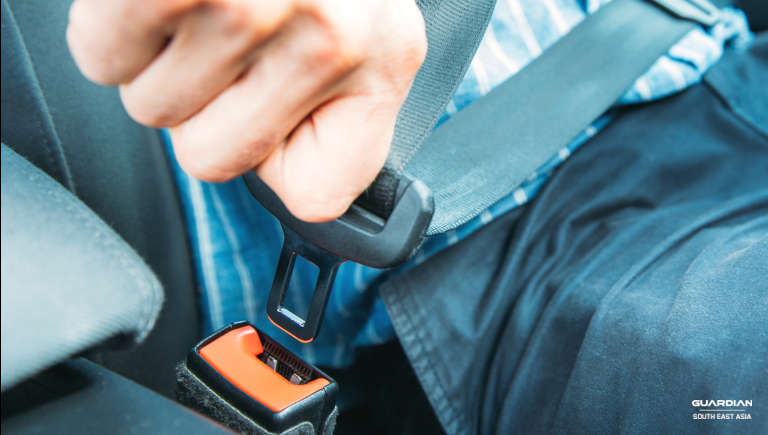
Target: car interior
(99,293)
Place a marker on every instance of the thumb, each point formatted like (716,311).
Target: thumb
(331,157)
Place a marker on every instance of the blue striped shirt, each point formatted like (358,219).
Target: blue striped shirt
(236,242)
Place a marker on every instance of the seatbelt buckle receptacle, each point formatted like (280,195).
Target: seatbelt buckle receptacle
(246,380)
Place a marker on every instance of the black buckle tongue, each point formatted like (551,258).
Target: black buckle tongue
(304,330)
(358,235)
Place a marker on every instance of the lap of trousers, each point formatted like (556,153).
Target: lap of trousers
(634,284)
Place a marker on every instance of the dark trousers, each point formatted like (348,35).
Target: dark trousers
(635,284)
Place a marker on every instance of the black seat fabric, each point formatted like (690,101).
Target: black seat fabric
(69,283)
(79,134)
(79,397)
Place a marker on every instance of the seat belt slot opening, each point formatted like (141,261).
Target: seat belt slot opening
(302,329)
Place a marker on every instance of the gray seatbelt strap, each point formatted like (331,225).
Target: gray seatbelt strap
(484,152)
(454,30)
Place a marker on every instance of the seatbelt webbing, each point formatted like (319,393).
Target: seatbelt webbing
(484,152)
(454,30)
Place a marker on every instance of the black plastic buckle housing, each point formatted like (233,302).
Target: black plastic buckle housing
(314,409)
(358,235)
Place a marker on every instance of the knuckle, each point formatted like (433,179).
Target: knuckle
(244,19)
(164,12)
(337,42)
(337,52)
(258,143)
(239,17)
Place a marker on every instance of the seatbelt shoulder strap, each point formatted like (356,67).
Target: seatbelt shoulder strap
(481,154)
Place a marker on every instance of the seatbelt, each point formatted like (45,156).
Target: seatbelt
(454,30)
(482,153)
(414,119)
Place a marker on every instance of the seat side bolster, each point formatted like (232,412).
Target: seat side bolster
(69,282)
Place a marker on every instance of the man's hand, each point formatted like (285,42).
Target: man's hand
(304,91)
